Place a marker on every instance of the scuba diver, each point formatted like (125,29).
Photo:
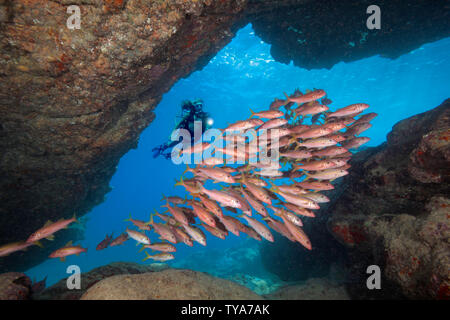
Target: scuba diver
(191,111)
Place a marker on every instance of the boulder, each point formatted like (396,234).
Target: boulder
(59,290)
(14,286)
(394,211)
(169,284)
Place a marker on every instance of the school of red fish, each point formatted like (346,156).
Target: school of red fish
(253,198)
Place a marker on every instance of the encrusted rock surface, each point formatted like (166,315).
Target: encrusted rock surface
(72,102)
(395,209)
(14,286)
(170,284)
(59,290)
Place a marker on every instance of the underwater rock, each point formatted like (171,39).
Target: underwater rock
(14,286)
(333,31)
(59,290)
(394,210)
(168,285)
(312,289)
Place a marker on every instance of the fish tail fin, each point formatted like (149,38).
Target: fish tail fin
(252,113)
(39,244)
(129,219)
(150,222)
(74,217)
(308,176)
(187,169)
(287,97)
(179,183)
(147,256)
(273,187)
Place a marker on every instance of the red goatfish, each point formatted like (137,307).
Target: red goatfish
(196,234)
(160,246)
(230,225)
(299,210)
(310,110)
(177,213)
(329,174)
(104,243)
(317,143)
(119,240)
(49,229)
(159,256)
(260,228)
(279,227)
(202,214)
(67,250)
(274,123)
(322,164)
(276,104)
(355,142)
(308,97)
(268,114)
(215,231)
(255,204)
(244,125)
(299,200)
(211,206)
(260,193)
(182,236)
(297,232)
(217,174)
(139,237)
(349,110)
(222,197)
(163,230)
(315,185)
(138,223)
(16,246)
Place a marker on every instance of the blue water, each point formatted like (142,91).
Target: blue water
(243,75)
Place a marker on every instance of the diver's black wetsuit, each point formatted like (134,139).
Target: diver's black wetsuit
(191,111)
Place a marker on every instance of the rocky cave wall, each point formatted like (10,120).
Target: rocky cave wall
(72,102)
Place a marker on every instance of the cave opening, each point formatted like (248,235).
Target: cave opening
(244,75)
